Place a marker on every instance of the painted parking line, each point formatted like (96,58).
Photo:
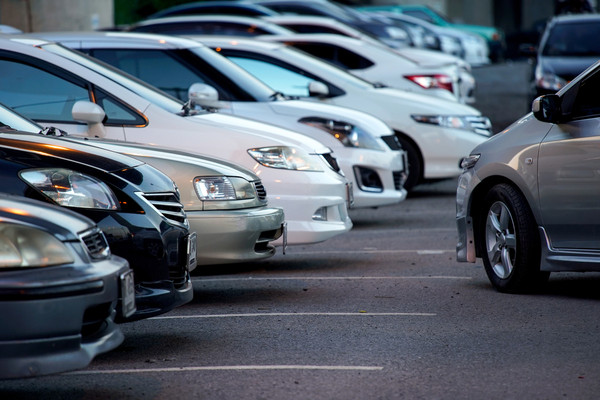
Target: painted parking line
(300,314)
(369,251)
(325,278)
(230,368)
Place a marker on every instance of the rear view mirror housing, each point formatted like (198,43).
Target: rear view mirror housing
(318,89)
(203,95)
(548,108)
(92,114)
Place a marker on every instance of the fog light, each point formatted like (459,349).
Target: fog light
(368,180)
(320,214)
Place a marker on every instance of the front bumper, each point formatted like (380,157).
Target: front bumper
(387,165)
(59,320)
(231,236)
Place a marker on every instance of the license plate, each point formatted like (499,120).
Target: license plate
(191,251)
(127,294)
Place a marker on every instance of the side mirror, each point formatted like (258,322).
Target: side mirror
(92,114)
(203,95)
(547,108)
(318,89)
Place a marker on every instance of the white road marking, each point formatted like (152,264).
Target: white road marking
(367,251)
(230,368)
(299,314)
(324,278)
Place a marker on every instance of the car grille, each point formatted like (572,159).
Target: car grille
(481,125)
(168,206)
(260,190)
(330,159)
(399,179)
(392,142)
(95,243)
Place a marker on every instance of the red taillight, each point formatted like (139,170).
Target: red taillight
(432,81)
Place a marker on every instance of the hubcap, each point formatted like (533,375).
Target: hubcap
(500,238)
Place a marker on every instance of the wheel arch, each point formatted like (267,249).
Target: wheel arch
(404,136)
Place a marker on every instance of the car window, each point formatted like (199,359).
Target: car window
(43,96)
(278,78)
(587,100)
(578,39)
(308,28)
(335,54)
(204,28)
(150,66)
(419,14)
(38,94)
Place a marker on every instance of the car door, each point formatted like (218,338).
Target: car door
(46,94)
(569,171)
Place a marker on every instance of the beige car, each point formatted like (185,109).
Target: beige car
(226,205)
(527,201)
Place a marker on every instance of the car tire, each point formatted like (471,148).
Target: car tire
(415,166)
(510,242)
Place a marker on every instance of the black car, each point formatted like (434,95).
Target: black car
(59,289)
(135,205)
(568,46)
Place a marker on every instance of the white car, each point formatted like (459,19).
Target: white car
(436,133)
(364,146)
(382,65)
(84,98)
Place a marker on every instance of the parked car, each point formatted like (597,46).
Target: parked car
(527,199)
(214,7)
(435,133)
(300,174)
(493,36)
(226,205)
(136,206)
(364,146)
(230,25)
(388,68)
(60,286)
(568,46)
(471,47)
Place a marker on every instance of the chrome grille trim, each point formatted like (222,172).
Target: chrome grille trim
(260,190)
(168,205)
(481,125)
(95,243)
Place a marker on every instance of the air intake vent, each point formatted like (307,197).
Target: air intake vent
(169,206)
(260,190)
(95,243)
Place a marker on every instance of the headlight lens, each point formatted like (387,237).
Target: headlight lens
(349,135)
(72,189)
(23,246)
(285,157)
(223,188)
(447,121)
(470,161)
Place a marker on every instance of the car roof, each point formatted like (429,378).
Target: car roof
(125,39)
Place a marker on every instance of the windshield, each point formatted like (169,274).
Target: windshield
(229,71)
(137,86)
(17,122)
(578,39)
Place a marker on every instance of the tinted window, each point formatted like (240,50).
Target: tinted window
(335,54)
(587,101)
(306,28)
(418,14)
(38,94)
(573,39)
(204,28)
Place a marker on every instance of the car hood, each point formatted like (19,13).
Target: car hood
(301,109)
(271,134)
(57,147)
(566,67)
(59,221)
(199,165)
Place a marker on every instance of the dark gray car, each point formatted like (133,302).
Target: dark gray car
(527,201)
(59,286)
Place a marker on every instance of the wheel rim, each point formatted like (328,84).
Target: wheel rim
(501,244)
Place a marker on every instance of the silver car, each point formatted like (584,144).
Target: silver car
(527,201)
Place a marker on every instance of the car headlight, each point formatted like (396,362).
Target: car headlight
(470,161)
(475,123)
(24,246)
(285,157)
(223,188)
(71,188)
(349,135)
(548,80)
